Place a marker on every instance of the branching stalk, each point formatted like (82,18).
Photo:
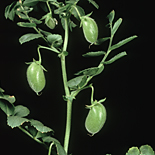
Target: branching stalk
(67,92)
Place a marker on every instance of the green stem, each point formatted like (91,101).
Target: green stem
(26,132)
(108,51)
(67,92)
(50,147)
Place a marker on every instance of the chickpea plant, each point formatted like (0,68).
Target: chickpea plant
(62,13)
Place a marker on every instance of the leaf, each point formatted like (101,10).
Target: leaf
(9,98)
(26,24)
(49,139)
(1,90)
(39,126)
(55,40)
(46,33)
(111,16)
(101,40)
(15,121)
(60,149)
(7,107)
(21,111)
(29,37)
(94,54)
(10,11)
(71,25)
(121,43)
(32,2)
(36,21)
(146,150)
(116,57)
(77,82)
(94,3)
(91,71)
(76,10)
(116,26)
(133,151)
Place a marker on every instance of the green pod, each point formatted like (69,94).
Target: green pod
(90,29)
(50,22)
(96,118)
(35,77)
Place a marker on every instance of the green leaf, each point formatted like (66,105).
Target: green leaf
(41,135)
(71,25)
(10,11)
(39,126)
(121,43)
(32,2)
(36,21)
(116,57)
(55,40)
(29,37)
(1,90)
(49,139)
(7,107)
(133,151)
(101,40)
(46,33)
(94,3)
(15,121)
(9,98)
(25,24)
(111,16)
(91,71)
(94,54)
(76,10)
(146,150)
(21,111)
(60,149)
(77,82)
(116,26)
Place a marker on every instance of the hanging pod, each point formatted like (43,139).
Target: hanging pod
(35,77)
(96,118)
(90,29)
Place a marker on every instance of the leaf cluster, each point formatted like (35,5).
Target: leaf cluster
(16,117)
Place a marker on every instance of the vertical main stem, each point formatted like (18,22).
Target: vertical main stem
(67,92)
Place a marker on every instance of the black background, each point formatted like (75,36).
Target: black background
(128,84)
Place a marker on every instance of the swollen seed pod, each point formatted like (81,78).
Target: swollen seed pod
(90,29)
(50,22)
(96,118)
(35,77)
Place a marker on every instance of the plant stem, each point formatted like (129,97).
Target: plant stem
(67,92)
(108,51)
